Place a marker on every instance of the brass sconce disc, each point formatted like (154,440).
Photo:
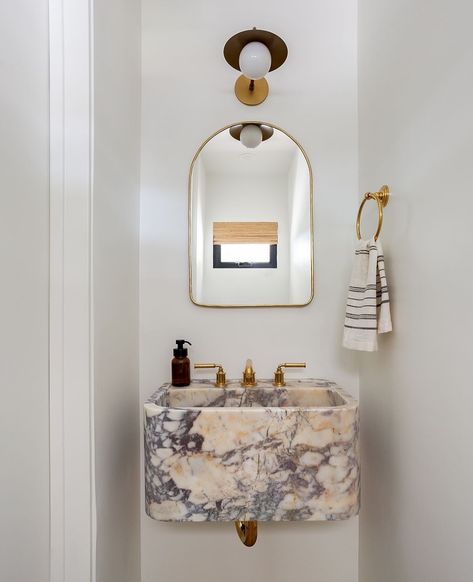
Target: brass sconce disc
(249,96)
(235,131)
(276,46)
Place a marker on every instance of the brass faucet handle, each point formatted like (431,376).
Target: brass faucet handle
(221,379)
(279,373)
(293,365)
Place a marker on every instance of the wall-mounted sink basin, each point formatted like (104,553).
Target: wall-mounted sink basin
(263,453)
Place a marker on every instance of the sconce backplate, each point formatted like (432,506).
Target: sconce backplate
(250,96)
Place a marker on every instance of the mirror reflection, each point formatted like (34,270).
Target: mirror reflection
(250,212)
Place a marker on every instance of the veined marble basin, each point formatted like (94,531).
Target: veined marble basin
(262,453)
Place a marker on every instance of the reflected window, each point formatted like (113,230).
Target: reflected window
(245,256)
(245,245)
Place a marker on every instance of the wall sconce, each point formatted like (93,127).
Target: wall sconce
(251,134)
(254,53)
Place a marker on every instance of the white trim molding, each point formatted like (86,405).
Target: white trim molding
(72,499)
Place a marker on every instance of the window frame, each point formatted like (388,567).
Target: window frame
(218,264)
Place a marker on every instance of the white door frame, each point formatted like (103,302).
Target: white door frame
(72,496)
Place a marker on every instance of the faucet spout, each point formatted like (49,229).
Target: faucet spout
(249,376)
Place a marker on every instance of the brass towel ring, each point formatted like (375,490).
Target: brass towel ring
(381,197)
(247,532)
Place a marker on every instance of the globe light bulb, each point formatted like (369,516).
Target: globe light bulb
(255,60)
(251,136)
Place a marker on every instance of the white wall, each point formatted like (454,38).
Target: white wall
(115,285)
(187,95)
(24,292)
(416,134)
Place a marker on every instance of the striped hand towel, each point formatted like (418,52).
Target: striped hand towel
(368,310)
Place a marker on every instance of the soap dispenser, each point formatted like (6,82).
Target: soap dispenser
(181,365)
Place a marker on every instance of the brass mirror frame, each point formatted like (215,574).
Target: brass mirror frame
(189,220)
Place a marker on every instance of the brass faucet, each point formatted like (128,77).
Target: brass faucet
(220,380)
(249,376)
(279,374)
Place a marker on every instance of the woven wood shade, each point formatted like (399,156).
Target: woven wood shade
(245,232)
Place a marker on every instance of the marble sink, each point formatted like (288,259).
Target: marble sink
(262,453)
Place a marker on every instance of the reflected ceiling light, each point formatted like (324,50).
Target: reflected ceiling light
(254,53)
(251,134)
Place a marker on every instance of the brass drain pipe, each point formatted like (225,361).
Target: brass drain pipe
(247,532)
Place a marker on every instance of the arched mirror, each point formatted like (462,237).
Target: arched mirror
(251,219)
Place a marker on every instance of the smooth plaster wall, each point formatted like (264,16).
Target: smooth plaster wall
(117,68)
(24,292)
(187,95)
(416,134)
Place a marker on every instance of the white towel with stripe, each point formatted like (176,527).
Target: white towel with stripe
(368,312)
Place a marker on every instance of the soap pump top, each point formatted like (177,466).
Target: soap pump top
(181,365)
(181,351)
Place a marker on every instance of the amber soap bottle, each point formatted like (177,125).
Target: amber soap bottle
(181,365)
